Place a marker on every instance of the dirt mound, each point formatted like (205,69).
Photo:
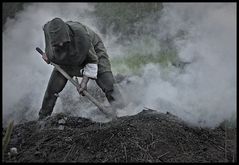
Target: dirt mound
(149,136)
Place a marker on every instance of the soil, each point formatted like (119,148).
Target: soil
(149,136)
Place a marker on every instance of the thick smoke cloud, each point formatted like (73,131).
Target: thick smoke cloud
(203,94)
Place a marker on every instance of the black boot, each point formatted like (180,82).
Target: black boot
(47,106)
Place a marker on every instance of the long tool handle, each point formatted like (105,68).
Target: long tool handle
(91,98)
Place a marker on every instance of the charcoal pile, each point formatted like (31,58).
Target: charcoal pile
(149,136)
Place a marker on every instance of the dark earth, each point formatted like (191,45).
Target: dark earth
(149,136)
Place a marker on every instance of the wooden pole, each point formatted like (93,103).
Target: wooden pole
(106,110)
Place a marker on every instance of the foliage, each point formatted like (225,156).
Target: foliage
(124,17)
(10,9)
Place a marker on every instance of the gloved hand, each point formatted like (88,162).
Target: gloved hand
(83,85)
(45,58)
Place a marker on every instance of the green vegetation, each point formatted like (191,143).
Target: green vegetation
(136,23)
(6,138)
(10,10)
(133,62)
(124,17)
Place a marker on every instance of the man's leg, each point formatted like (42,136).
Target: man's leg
(106,82)
(55,85)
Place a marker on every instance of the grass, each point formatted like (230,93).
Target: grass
(7,137)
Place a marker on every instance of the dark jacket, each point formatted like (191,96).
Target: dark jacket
(85,47)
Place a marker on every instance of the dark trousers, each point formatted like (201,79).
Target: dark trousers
(57,82)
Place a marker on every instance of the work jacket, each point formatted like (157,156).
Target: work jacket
(87,53)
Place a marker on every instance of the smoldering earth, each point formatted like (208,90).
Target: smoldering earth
(148,136)
(203,94)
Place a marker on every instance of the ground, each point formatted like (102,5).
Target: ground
(149,136)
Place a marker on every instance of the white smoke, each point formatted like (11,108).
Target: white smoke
(204,94)
(25,75)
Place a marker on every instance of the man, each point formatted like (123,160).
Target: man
(80,52)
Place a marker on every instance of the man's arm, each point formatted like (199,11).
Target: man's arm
(90,70)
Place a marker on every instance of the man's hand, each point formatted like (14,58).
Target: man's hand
(45,58)
(83,85)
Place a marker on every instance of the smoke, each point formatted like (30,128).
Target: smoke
(25,75)
(203,94)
